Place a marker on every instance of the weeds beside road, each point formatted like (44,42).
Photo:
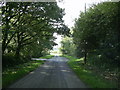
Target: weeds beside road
(89,77)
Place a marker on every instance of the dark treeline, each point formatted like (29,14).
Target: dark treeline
(96,35)
(28,28)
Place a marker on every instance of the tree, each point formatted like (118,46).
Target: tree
(95,31)
(68,47)
(30,23)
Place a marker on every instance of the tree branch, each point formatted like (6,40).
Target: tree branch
(26,44)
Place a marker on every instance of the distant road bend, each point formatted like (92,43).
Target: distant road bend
(55,73)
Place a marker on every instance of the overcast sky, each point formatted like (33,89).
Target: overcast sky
(73,8)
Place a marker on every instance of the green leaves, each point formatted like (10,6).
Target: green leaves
(68,47)
(97,28)
(29,27)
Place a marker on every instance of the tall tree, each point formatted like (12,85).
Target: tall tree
(30,23)
(95,31)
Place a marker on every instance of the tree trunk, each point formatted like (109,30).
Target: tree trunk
(5,36)
(85,59)
(17,54)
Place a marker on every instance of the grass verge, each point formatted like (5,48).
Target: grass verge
(12,74)
(91,79)
(47,57)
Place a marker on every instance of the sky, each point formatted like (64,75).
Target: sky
(72,10)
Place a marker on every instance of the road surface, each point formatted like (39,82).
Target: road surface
(55,73)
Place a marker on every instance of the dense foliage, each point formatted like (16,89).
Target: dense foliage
(68,47)
(96,32)
(28,28)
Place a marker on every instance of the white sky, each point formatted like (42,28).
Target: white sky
(72,10)
(58,40)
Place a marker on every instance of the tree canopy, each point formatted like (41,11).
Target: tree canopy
(28,27)
(96,32)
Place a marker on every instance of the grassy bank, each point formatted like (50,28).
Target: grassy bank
(47,57)
(89,77)
(12,74)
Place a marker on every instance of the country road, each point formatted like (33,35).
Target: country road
(55,73)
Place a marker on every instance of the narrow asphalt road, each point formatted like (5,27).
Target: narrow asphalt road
(55,73)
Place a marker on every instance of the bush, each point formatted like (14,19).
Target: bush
(101,61)
(9,60)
